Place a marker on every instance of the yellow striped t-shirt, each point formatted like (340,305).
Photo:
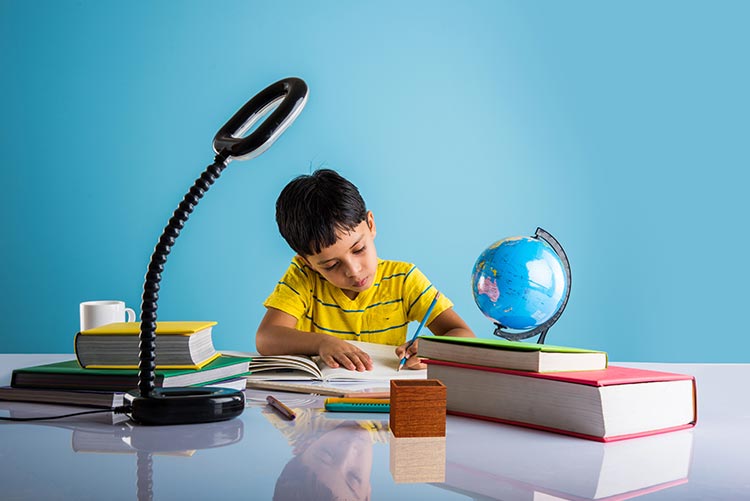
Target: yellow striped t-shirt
(400,294)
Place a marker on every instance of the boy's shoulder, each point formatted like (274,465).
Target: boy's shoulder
(391,265)
(389,268)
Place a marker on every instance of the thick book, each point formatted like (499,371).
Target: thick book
(179,345)
(86,398)
(616,403)
(89,398)
(69,375)
(29,410)
(307,368)
(511,354)
(514,464)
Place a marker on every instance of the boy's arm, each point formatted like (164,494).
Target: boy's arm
(448,323)
(277,335)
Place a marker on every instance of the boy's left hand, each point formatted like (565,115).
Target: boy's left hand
(412,361)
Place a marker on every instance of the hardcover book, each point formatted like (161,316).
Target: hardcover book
(511,354)
(607,405)
(179,345)
(27,410)
(70,376)
(86,398)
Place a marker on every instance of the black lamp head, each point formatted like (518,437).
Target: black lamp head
(288,95)
(159,406)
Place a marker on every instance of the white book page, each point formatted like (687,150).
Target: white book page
(384,361)
(261,363)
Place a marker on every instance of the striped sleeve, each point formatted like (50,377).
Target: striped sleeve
(292,293)
(419,293)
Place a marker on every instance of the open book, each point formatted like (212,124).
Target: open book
(306,368)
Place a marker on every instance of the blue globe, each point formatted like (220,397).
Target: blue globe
(519,282)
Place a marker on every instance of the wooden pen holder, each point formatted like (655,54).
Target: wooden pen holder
(417,408)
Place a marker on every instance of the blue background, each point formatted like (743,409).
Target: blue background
(621,128)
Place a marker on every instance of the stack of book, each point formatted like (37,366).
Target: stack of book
(106,366)
(559,389)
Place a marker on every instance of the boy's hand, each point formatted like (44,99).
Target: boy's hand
(412,361)
(336,352)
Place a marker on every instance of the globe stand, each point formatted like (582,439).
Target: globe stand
(540,330)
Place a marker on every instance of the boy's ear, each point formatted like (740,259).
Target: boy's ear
(371,223)
(307,261)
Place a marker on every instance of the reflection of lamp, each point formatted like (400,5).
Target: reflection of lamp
(146,441)
(150,405)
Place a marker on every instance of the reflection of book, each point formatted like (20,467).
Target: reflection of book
(111,443)
(611,404)
(182,440)
(511,354)
(301,367)
(509,463)
(179,345)
(69,375)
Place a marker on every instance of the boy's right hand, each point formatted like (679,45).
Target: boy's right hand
(336,352)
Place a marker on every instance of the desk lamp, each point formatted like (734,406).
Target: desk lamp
(163,406)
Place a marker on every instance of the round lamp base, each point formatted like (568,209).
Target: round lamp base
(187,405)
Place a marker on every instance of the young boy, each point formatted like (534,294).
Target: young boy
(336,288)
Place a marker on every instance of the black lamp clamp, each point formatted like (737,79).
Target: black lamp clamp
(162,406)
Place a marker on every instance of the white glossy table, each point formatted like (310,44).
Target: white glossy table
(355,457)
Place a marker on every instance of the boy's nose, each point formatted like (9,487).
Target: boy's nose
(352,270)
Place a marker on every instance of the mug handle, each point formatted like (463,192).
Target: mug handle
(130,312)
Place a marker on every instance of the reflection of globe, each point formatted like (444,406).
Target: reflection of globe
(519,282)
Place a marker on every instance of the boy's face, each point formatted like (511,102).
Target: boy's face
(352,262)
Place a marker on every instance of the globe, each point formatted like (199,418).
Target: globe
(520,282)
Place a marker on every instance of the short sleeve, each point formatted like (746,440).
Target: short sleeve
(292,293)
(419,293)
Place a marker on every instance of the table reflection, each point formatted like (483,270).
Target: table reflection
(332,456)
(417,459)
(505,462)
(108,433)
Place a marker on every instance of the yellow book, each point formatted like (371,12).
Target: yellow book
(179,345)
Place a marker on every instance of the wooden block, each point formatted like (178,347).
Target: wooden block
(417,459)
(417,408)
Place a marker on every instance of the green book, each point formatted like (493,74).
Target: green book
(515,355)
(71,376)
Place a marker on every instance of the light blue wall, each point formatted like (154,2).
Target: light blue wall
(620,127)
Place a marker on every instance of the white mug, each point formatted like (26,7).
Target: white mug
(96,313)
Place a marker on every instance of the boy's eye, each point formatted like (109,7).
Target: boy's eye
(330,266)
(360,250)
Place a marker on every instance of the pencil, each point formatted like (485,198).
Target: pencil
(280,408)
(421,324)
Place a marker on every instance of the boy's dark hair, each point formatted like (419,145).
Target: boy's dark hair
(312,208)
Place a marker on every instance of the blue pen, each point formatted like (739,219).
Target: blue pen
(421,324)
